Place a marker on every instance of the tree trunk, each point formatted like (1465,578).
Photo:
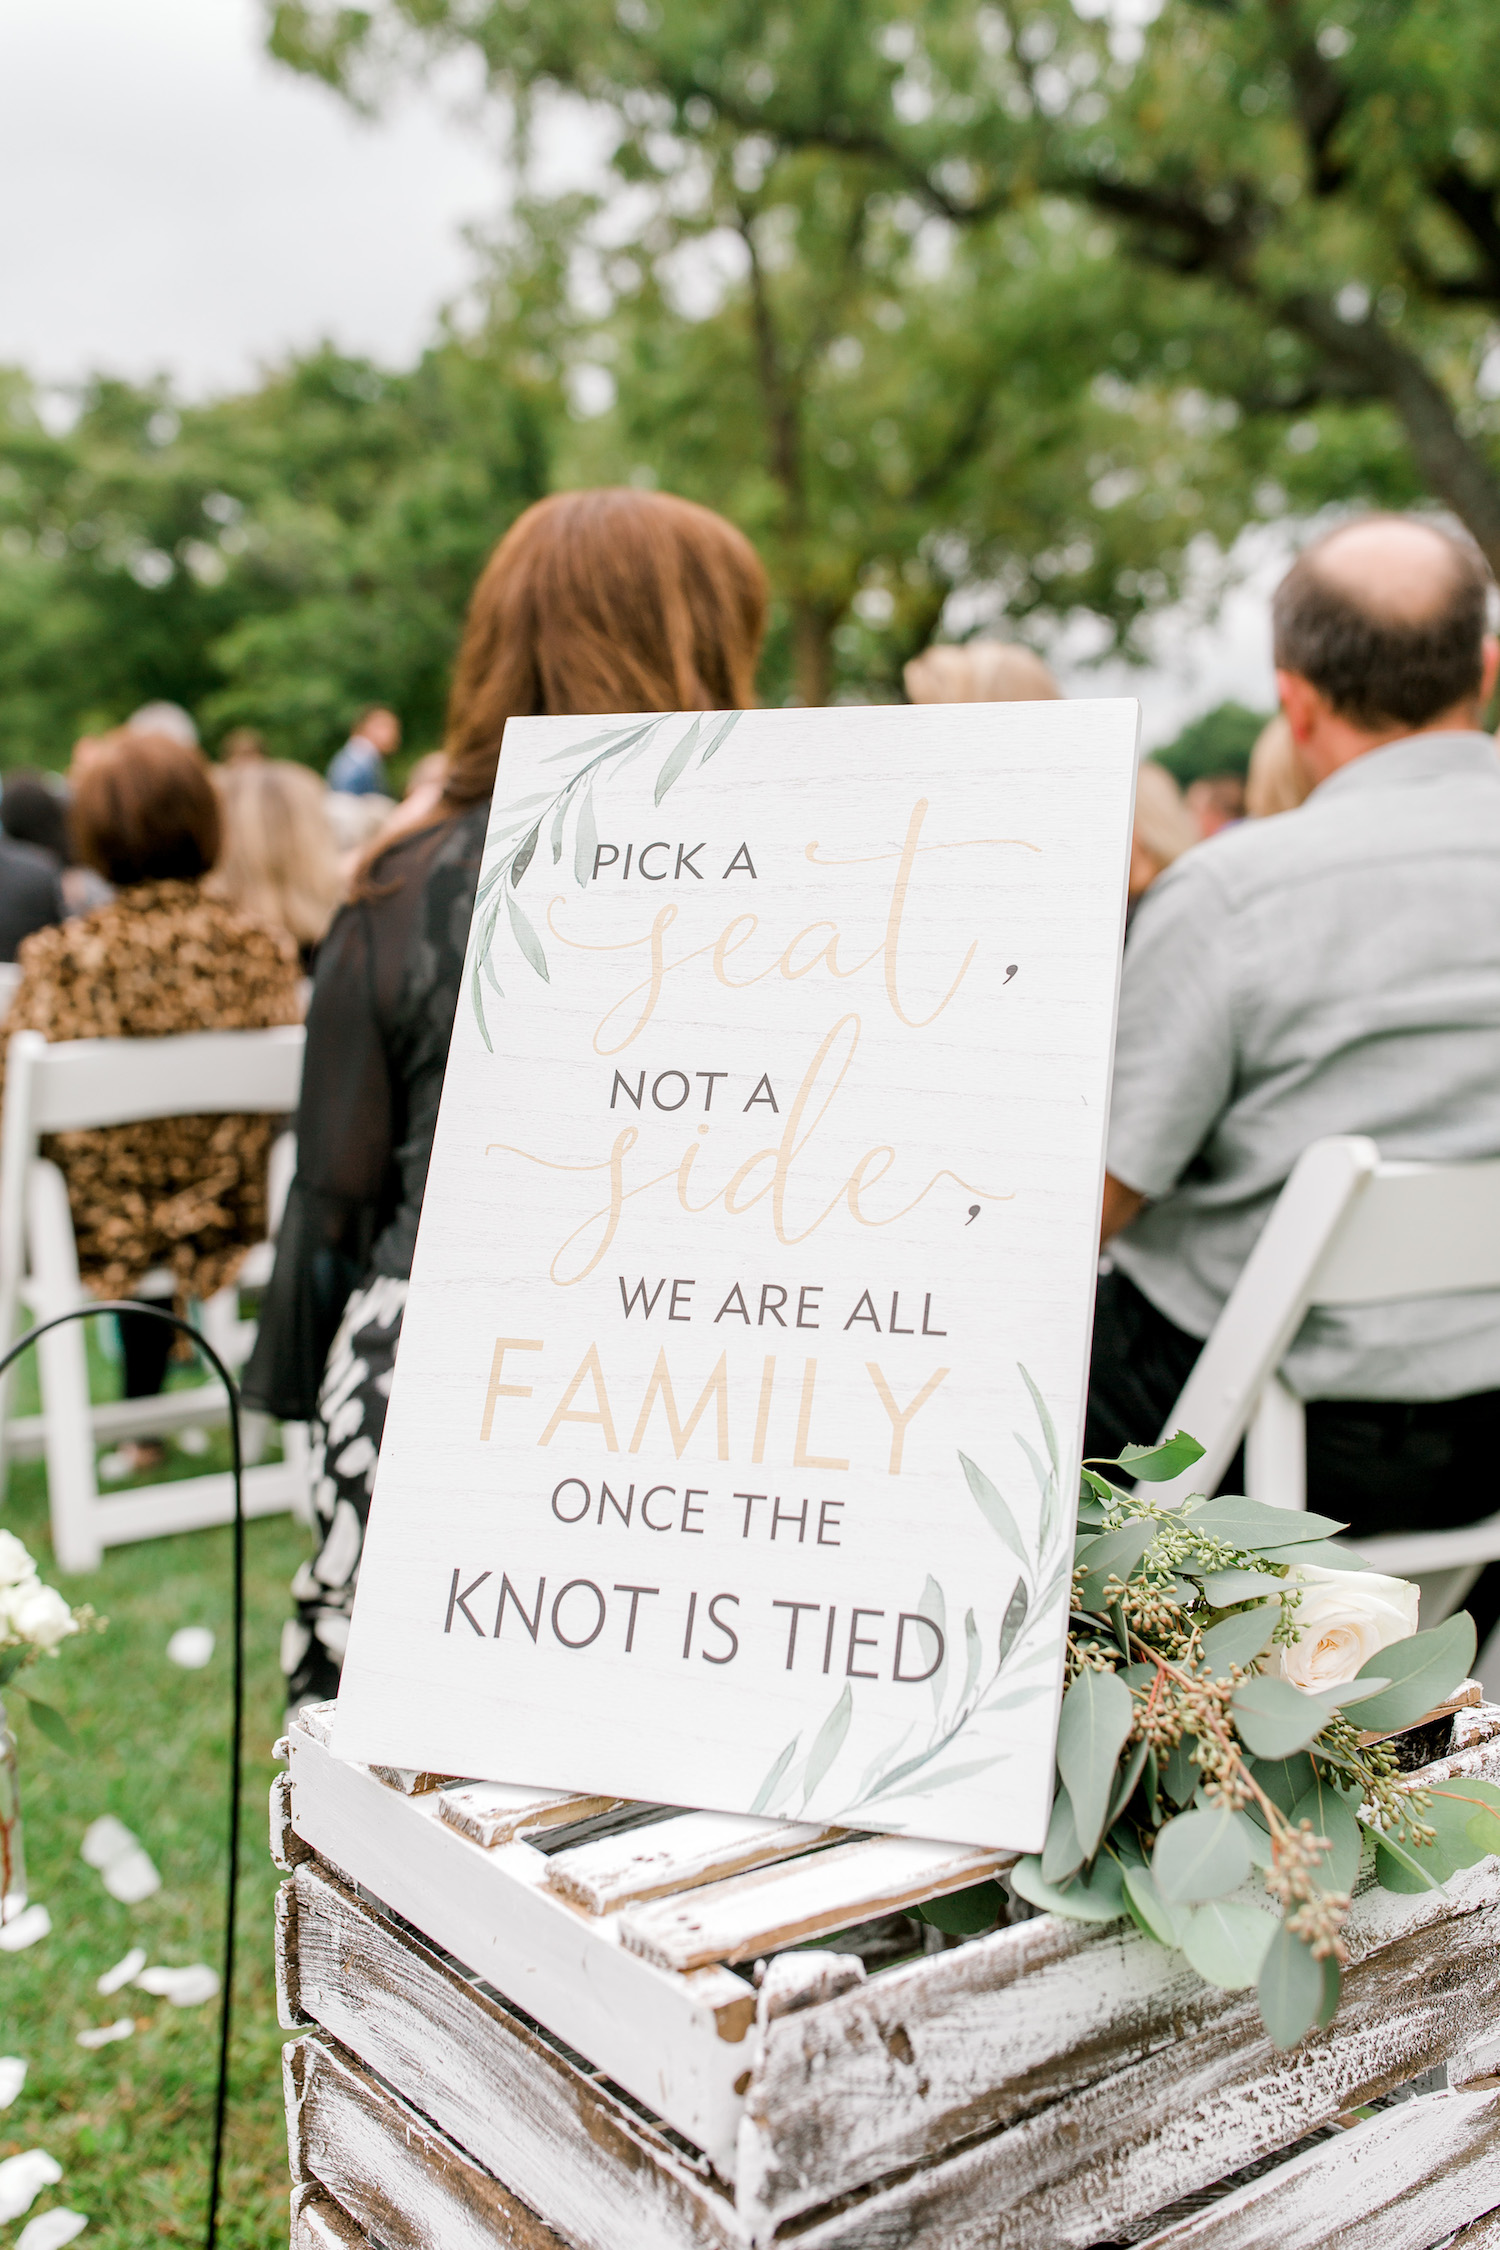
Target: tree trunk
(812,653)
(1454,469)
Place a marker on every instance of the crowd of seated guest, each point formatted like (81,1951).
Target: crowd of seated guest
(1321,956)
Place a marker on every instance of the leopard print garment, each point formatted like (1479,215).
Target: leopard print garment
(188,1193)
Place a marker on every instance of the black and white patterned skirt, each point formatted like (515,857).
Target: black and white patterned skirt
(345,1437)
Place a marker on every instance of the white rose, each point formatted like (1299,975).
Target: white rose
(1344,1618)
(15,1563)
(39,1614)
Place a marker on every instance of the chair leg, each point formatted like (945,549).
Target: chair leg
(63,1373)
(1276,1449)
(72,1486)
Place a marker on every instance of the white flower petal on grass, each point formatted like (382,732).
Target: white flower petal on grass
(122,1860)
(12,2079)
(49,2230)
(22,2179)
(123,1971)
(16,1564)
(1343,1619)
(103,1840)
(24,1929)
(132,1878)
(185,1988)
(105,2034)
(191,1646)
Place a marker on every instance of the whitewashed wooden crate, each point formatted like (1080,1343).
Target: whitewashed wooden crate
(560,2042)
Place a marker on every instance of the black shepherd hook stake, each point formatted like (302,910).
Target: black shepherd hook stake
(140,1309)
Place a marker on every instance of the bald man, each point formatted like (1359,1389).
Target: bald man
(1334,970)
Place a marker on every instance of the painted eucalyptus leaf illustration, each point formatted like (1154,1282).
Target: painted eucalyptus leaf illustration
(677,760)
(520,833)
(766,1793)
(526,938)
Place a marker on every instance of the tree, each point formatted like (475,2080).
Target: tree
(898,412)
(1318,185)
(279,558)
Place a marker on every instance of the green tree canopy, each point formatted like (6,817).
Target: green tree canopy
(1318,186)
(277,559)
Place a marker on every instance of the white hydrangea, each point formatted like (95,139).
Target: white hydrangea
(38,1614)
(16,1565)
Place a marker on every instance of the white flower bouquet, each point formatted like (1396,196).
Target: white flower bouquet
(1234,1682)
(34,1622)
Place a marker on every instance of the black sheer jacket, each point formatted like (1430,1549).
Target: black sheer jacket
(378,1028)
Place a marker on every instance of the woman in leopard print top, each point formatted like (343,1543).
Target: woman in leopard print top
(186,1193)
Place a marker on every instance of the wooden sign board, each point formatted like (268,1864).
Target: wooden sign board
(735,1429)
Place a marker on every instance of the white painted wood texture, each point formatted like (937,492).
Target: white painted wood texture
(566,2145)
(1000,2030)
(800,1899)
(677,2043)
(881,999)
(1217,2099)
(675,1855)
(319,2224)
(400,2180)
(497,1812)
(1401,2180)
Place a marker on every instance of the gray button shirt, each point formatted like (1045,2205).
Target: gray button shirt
(1331,970)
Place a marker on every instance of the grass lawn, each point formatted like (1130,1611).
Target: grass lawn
(130,2123)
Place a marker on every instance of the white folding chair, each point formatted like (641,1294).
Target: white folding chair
(60,1087)
(1346,1229)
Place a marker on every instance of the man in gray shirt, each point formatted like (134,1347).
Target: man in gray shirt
(1331,970)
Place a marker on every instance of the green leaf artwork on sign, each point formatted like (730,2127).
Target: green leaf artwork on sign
(520,833)
(1009,1671)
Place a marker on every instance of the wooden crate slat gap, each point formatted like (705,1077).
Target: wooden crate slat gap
(682,1852)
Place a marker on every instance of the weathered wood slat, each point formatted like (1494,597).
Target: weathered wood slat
(319,2224)
(395,2175)
(287,1847)
(676,2043)
(1411,2174)
(410,1781)
(492,1813)
(941,2049)
(787,1904)
(1221,2098)
(558,2140)
(676,1855)
(1483,2235)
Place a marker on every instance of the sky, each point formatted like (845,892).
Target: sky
(172,202)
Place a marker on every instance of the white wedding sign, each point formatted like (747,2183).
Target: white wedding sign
(733,1445)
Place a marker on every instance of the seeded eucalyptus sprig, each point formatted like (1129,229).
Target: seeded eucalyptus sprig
(1186,1761)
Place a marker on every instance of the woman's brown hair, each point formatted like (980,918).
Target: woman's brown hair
(604,601)
(143,809)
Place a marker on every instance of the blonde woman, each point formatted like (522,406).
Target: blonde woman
(1276,782)
(1164,827)
(280,862)
(979,672)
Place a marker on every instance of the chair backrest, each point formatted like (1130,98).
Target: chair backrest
(81,1082)
(66,1085)
(1346,1229)
(1415,1230)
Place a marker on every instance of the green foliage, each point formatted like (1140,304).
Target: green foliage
(1183,1765)
(1295,211)
(278,559)
(1220,742)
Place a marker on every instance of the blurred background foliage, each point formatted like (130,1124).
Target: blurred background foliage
(975,316)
